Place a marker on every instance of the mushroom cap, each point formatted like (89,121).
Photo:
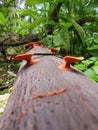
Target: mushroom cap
(38,43)
(34,43)
(20,57)
(72,59)
(53,49)
(30,44)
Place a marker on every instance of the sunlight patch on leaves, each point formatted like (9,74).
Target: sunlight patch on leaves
(3,20)
(33,2)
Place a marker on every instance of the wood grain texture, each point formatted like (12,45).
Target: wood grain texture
(74,109)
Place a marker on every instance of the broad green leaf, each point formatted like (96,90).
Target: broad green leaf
(57,39)
(33,2)
(87,62)
(67,25)
(94,77)
(91,73)
(37,22)
(52,22)
(96,63)
(94,47)
(62,39)
(93,59)
(80,66)
(3,20)
(95,68)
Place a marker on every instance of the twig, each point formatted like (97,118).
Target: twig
(12,74)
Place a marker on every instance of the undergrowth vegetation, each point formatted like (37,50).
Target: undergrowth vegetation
(70,26)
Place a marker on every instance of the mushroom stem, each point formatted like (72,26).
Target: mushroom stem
(31,61)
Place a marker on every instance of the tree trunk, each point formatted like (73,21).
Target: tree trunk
(45,97)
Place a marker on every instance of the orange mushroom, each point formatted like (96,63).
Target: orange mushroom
(32,44)
(53,50)
(38,43)
(26,57)
(68,60)
(51,93)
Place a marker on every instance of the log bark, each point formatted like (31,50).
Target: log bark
(30,107)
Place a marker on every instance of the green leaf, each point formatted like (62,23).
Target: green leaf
(94,77)
(37,22)
(91,73)
(88,39)
(96,39)
(95,68)
(93,50)
(3,20)
(57,39)
(62,39)
(93,59)
(52,22)
(80,66)
(87,62)
(94,47)
(33,2)
(96,63)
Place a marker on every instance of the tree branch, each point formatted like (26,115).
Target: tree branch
(32,37)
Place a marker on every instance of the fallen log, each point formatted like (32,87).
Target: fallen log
(45,97)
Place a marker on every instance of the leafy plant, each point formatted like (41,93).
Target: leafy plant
(69,25)
(1,81)
(89,67)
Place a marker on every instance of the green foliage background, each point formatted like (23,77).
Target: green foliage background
(74,33)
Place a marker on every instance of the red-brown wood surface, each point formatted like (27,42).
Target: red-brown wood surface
(74,109)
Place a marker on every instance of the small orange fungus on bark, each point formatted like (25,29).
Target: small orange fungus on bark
(50,93)
(27,57)
(68,60)
(53,50)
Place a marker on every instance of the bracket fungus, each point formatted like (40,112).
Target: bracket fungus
(68,60)
(50,93)
(27,57)
(53,50)
(34,45)
(38,43)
